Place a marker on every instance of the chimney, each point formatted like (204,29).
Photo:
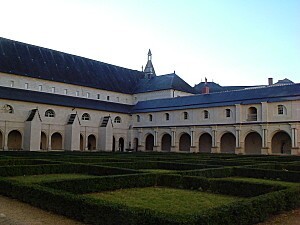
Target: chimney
(270,81)
(205,90)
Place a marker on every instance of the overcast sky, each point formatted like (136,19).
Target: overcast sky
(232,42)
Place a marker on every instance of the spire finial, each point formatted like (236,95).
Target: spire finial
(149,55)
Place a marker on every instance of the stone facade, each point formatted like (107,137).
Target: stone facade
(267,127)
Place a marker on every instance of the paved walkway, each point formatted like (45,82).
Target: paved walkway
(13,212)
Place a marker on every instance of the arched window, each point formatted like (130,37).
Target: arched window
(49,113)
(138,118)
(252,114)
(205,114)
(167,116)
(228,113)
(8,109)
(150,117)
(185,115)
(117,119)
(281,110)
(86,116)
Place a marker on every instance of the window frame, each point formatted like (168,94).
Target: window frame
(86,117)
(50,113)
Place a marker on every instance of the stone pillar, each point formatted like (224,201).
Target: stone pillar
(238,148)
(193,147)
(295,147)
(156,144)
(265,149)
(173,141)
(264,112)
(215,148)
(140,139)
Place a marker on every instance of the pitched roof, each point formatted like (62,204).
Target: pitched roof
(163,82)
(214,87)
(243,96)
(37,62)
(61,100)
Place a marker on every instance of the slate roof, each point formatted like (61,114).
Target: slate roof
(244,96)
(37,62)
(214,87)
(164,82)
(61,100)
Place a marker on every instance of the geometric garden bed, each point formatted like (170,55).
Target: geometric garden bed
(203,190)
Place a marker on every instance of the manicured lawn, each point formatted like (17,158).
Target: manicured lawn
(263,181)
(157,171)
(49,177)
(168,200)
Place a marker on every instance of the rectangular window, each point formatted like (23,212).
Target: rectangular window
(26,85)
(98,96)
(227,112)
(12,83)
(88,94)
(77,93)
(107,98)
(53,89)
(40,87)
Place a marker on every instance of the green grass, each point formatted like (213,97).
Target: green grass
(157,171)
(167,200)
(262,181)
(49,177)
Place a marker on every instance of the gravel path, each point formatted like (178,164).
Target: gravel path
(13,212)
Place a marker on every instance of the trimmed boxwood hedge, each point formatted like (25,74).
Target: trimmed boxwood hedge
(94,211)
(291,176)
(21,170)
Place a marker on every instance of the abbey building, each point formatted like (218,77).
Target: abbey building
(51,100)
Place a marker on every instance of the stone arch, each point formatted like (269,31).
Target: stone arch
(91,142)
(253,143)
(281,143)
(1,140)
(14,140)
(185,142)
(205,142)
(56,141)
(44,142)
(121,144)
(81,145)
(166,142)
(149,142)
(227,143)
(135,144)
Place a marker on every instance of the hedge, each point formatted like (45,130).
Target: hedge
(21,170)
(94,211)
(291,176)
(210,173)
(108,183)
